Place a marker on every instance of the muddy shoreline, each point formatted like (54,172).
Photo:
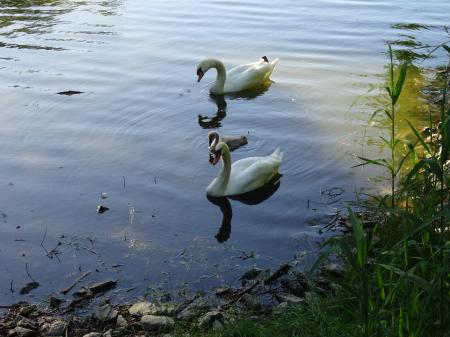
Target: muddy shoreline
(93,311)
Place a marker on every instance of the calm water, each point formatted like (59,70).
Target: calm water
(135,133)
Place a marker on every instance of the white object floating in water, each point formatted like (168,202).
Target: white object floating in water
(131,211)
(244,175)
(103,195)
(102,209)
(239,78)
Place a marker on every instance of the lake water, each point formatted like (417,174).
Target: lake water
(135,133)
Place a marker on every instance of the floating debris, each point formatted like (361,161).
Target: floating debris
(131,211)
(103,195)
(29,287)
(102,209)
(102,286)
(69,92)
(78,280)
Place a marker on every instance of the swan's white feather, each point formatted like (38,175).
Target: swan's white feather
(246,175)
(239,78)
(247,76)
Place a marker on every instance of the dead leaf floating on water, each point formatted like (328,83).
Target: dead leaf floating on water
(70,92)
(102,209)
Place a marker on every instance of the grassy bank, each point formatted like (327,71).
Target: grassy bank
(396,260)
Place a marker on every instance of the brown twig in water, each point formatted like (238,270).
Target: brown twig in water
(332,224)
(28,273)
(78,280)
(42,242)
(241,294)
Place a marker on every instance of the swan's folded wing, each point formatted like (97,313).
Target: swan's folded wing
(242,164)
(240,69)
(254,176)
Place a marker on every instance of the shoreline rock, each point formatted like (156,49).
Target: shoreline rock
(263,293)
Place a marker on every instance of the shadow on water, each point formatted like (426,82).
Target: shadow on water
(214,122)
(251,198)
(227,213)
(253,92)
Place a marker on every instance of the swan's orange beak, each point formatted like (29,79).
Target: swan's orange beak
(199,74)
(214,158)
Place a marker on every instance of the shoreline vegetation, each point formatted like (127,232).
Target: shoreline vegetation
(388,275)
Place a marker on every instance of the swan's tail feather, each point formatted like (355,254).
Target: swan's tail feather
(274,62)
(277,154)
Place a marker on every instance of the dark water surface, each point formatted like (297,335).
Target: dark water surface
(134,133)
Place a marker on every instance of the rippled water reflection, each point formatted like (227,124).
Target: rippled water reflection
(138,133)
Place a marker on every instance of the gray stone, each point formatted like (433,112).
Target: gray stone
(141,308)
(251,302)
(225,291)
(151,323)
(93,334)
(207,320)
(193,310)
(27,323)
(107,333)
(289,299)
(280,308)
(165,309)
(55,328)
(333,269)
(251,274)
(217,325)
(23,332)
(121,322)
(294,287)
(27,310)
(54,302)
(105,313)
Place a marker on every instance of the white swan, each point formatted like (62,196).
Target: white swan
(243,176)
(238,78)
(233,142)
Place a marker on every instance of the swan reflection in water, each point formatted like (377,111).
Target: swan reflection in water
(250,198)
(214,122)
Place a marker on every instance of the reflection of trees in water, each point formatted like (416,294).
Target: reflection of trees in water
(415,42)
(37,17)
(421,96)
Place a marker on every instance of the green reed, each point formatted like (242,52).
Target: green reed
(397,269)
(396,279)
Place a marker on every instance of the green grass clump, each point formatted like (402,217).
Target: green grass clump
(318,317)
(399,284)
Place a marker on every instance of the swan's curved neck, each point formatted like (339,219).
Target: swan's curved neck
(224,175)
(219,85)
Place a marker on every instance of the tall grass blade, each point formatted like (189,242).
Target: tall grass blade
(399,84)
(420,138)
